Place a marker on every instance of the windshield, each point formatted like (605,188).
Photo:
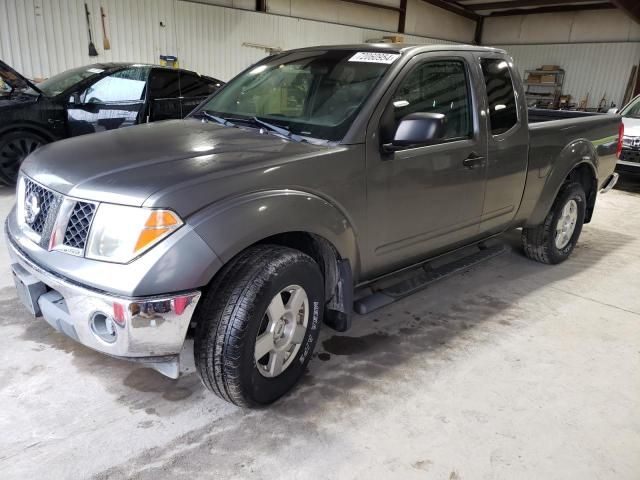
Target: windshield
(632,110)
(312,94)
(59,83)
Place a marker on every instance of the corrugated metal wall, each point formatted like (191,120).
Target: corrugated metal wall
(43,37)
(599,69)
(210,39)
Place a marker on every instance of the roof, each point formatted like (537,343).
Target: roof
(403,48)
(118,65)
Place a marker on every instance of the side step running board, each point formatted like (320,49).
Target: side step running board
(422,277)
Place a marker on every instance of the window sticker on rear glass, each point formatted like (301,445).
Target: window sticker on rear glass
(94,70)
(374,57)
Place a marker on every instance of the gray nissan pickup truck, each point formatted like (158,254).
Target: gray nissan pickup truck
(319,183)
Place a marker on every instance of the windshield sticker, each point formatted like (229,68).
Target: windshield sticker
(374,57)
(94,70)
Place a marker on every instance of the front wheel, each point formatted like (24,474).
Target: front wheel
(554,240)
(14,148)
(258,325)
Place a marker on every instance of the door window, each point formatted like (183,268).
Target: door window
(192,85)
(503,114)
(435,87)
(164,84)
(123,86)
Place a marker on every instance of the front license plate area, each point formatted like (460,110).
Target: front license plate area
(29,289)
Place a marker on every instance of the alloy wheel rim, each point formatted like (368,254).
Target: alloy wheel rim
(14,152)
(566,224)
(282,331)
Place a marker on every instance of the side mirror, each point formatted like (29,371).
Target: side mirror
(613,111)
(74,99)
(416,130)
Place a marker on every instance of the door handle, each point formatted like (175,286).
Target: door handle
(472,160)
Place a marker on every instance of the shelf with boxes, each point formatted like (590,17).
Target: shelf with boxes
(543,86)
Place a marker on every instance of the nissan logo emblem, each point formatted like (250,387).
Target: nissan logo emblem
(32,208)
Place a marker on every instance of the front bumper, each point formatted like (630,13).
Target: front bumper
(148,329)
(629,162)
(628,168)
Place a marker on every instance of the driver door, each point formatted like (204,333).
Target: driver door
(113,101)
(426,199)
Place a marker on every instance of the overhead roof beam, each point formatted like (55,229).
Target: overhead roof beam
(630,7)
(552,9)
(455,8)
(402,18)
(374,5)
(518,4)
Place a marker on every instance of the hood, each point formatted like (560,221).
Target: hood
(631,126)
(14,79)
(128,165)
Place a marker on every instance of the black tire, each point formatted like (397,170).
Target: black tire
(14,148)
(233,312)
(540,242)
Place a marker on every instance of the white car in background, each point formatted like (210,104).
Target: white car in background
(629,162)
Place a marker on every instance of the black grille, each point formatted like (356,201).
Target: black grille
(629,155)
(46,199)
(78,227)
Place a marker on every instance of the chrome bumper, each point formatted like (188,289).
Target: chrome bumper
(613,179)
(150,330)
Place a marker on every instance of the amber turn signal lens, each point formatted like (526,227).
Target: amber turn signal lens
(159,224)
(162,218)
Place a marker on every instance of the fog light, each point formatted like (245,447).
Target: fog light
(104,327)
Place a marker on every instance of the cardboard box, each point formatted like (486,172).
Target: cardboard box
(550,67)
(393,38)
(547,79)
(533,78)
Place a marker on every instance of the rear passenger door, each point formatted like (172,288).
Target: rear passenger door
(194,89)
(164,95)
(422,200)
(508,141)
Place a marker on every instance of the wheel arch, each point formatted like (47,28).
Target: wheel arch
(300,220)
(578,162)
(30,127)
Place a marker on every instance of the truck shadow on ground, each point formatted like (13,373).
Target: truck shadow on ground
(427,330)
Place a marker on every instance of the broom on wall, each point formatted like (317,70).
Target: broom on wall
(92,48)
(105,39)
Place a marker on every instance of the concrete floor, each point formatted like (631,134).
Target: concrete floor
(512,370)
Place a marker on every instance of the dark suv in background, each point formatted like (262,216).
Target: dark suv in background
(89,99)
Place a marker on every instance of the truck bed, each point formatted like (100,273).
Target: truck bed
(538,115)
(557,136)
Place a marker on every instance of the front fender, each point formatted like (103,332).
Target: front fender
(232,225)
(574,154)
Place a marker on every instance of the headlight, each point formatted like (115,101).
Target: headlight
(119,233)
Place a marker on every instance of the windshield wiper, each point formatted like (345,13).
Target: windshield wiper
(232,122)
(215,118)
(279,130)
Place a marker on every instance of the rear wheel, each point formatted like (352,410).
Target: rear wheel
(258,325)
(14,148)
(554,240)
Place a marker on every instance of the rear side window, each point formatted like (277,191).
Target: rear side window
(193,86)
(502,102)
(437,87)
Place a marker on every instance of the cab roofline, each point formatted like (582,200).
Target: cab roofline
(401,48)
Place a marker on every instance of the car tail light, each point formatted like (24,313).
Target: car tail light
(620,139)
